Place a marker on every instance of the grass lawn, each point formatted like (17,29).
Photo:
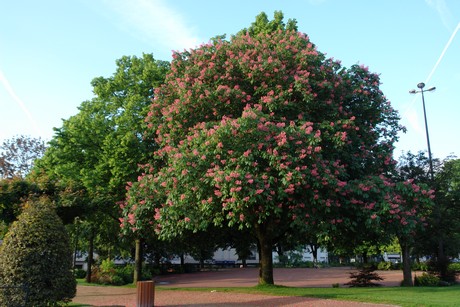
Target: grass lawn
(401,296)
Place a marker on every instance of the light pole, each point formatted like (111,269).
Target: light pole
(421,85)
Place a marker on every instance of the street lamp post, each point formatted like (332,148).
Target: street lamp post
(421,85)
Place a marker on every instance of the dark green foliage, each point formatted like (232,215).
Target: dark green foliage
(36,253)
(426,280)
(13,192)
(364,278)
(79,273)
(107,273)
(441,269)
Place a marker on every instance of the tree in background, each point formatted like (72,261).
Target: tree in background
(17,155)
(97,151)
(445,219)
(13,193)
(36,253)
(441,238)
(261,132)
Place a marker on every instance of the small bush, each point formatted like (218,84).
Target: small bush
(384,266)
(117,280)
(79,273)
(442,269)
(36,252)
(364,278)
(426,280)
(455,267)
(126,273)
(420,266)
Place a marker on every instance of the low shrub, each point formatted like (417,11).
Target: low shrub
(454,267)
(107,273)
(420,266)
(384,266)
(365,277)
(79,273)
(426,280)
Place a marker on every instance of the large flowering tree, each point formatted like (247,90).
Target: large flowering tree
(262,132)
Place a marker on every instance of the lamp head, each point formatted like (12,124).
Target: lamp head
(412,91)
(421,85)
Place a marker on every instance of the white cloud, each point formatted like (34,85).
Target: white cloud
(441,7)
(154,22)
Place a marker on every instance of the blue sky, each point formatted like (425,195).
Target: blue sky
(50,50)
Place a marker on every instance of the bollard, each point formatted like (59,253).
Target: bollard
(145,293)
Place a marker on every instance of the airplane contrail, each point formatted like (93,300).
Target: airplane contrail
(433,69)
(442,53)
(6,84)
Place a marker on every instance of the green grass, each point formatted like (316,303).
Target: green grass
(401,296)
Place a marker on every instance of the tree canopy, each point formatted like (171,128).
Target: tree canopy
(262,132)
(95,152)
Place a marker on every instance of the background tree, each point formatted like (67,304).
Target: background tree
(97,151)
(444,223)
(440,238)
(17,155)
(260,132)
(36,252)
(13,193)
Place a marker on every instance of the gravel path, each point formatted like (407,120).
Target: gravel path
(118,296)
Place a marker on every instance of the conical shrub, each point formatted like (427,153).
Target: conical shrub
(36,255)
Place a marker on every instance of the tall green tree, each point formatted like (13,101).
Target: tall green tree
(98,150)
(260,132)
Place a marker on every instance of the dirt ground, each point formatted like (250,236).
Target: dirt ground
(244,277)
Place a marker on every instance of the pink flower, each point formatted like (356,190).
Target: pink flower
(187,219)
(259,191)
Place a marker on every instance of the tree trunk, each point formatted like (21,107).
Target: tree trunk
(138,262)
(365,258)
(182,262)
(90,257)
(314,252)
(265,256)
(406,262)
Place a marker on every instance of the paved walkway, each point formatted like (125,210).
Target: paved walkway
(247,277)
